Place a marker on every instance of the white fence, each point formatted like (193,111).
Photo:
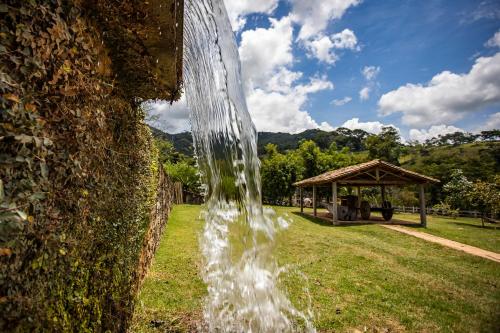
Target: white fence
(430,210)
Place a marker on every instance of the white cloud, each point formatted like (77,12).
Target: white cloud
(343,101)
(433,132)
(169,118)
(326,127)
(448,97)
(346,39)
(321,47)
(374,127)
(314,15)
(282,110)
(492,123)
(370,72)
(238,9)
(494,41)
(364,94)
(263,51)
(275,100)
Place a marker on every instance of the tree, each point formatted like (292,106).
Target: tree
(167,152)
(386,145)
(493,135)
(185,173)
(278,173)
(457,190)
(309,154)
(485,196)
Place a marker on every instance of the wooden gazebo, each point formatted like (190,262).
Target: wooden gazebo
(370,174)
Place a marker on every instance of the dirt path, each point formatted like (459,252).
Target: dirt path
(446,242)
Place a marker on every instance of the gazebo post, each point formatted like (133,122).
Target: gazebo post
(334,203)
(423,217)
(301,200)
(314,201)
(382,189)
(359,202)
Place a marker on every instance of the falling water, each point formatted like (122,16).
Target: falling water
(237,242)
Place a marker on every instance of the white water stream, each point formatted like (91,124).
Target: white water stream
(240,271)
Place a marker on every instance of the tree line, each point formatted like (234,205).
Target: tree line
(475,157)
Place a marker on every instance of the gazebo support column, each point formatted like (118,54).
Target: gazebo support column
(382,190)
(423,216)
(334,203)
(301,200)
(314,201)
(360,198)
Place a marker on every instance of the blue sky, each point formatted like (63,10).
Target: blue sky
(426,67)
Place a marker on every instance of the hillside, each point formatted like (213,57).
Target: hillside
(342,137)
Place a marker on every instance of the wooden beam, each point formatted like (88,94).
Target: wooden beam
(314,201)
(377,173)
(301,200)
(372,182)
(382,189)
(423,216)
(334,203)
(395,175)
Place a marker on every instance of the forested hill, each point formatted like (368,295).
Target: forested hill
(284,141)
(183,142)
(355,140)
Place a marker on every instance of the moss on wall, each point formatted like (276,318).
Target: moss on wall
(78,175)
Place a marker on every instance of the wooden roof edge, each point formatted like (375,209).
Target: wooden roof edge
(338,174)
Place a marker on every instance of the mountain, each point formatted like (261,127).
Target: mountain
(342,137)
(183,142)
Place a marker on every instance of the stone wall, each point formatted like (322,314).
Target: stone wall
(79,173)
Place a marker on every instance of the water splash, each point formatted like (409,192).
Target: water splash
(237,243)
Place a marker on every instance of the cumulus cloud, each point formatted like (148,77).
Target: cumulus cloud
(492,123)
(364,94)
(237,10)
(494,41)
(448,97)
(374,127)
(343,101)
(314,15)
(283,110)
(322,47)
(346,39)
(275,100)
(433,132)
(169,118)
(263,51)
(370,72)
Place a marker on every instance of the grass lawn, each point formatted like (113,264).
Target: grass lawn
(364,278)
(463,229)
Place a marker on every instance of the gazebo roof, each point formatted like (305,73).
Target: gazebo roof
(371,173)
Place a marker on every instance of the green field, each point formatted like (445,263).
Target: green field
(364,278)
(465,230)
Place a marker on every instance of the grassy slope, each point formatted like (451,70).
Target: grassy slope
(173,290)
(359,277)
(465,230)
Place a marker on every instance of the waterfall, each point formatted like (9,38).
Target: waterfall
(241,274)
